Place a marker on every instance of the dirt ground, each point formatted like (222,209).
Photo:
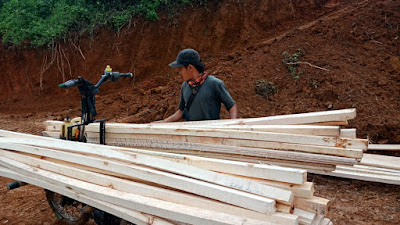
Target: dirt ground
(351,56)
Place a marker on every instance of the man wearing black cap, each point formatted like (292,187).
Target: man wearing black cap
(201,94)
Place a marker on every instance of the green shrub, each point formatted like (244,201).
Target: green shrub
(265,88)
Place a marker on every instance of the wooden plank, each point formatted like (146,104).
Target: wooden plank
(302,118)
(307,118)
(52,134)
(348,133)
(227,149)
(153,206)
(146,190)
(224,194)
(305,190)
(306,218)
(291,129)
(204,143)
(330,123)
(381,161)
(269,172)
(314,204)
(363,176)
(139,218)
(258,160)
(370,170)
(165,165)
(336,151)
(53,125)
(253,135)
(373,168)
(384,147)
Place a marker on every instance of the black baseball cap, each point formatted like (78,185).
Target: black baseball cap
(186,57)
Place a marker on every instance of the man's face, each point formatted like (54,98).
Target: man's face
(184,72)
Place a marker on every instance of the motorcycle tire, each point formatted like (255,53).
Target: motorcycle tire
(67,210)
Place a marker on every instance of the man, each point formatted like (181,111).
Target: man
(201,94)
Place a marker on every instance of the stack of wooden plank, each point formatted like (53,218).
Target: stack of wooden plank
(164,188)
(372,167)
(287,140)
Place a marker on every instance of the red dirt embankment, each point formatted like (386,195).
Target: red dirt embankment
(356,42)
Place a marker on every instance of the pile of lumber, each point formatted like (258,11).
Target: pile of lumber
(150,187)
(311,141)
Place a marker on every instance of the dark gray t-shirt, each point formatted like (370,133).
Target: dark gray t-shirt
(207,103)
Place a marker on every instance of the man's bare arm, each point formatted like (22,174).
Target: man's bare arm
(173,118)
(233,112)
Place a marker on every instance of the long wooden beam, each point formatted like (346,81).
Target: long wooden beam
(382,161)
(342,115)
(303,118)
(373,168)
(292,119)
(156,207)
(253,135)
(388,179)
(258,160)
(305,190)
(269,172)
(190,142)
(384,147)
(370,170)
(55,126)
(228,149)
(291,129)
(309,148)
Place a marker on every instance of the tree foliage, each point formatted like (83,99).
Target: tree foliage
(38,23)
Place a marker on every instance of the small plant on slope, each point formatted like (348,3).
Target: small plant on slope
(265,88)
(291,63)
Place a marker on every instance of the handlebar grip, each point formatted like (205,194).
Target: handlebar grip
(15,184)
(69,84)
(126,75)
